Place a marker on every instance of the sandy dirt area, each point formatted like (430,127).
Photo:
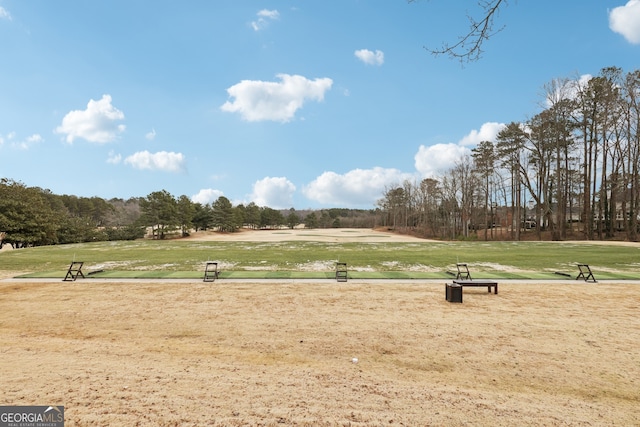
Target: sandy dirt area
(189,353)
(245,354)
(301,234)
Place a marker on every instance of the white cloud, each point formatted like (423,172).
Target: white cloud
(114,158)
(488,132)
(24,144)
(434,160)
(206,196)
(277,192)
(151,135)
(31,140)
(625,20)
(270,14)
(257,100)
(369,57)
(162,161)
(35,138)
(264,16)
(576,87)
(569,89)
(4,14)
(358,187)
(5,138)
(98,123)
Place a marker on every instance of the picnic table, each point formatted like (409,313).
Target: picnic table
(479,283)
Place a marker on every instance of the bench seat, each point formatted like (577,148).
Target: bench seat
(479,283)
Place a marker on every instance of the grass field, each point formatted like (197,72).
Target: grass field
(306,259)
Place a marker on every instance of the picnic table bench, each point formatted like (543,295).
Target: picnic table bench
(479,283)
(75,270)
(585,273)
(211,272)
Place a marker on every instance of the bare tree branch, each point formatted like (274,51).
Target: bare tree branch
(469,46)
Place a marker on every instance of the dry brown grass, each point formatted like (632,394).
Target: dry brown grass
(231,354)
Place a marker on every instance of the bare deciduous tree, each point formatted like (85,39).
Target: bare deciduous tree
(468,48)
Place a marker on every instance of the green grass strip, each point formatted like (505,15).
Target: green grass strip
(362,275)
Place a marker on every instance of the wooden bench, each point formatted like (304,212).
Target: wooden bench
(341,271)
(75,270)
(211,272)
(479,283)
(585,273)
(463,272)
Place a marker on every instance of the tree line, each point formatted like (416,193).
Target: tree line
(165,214)
(31,216)
(570,170)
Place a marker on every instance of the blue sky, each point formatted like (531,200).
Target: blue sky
(286,103)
